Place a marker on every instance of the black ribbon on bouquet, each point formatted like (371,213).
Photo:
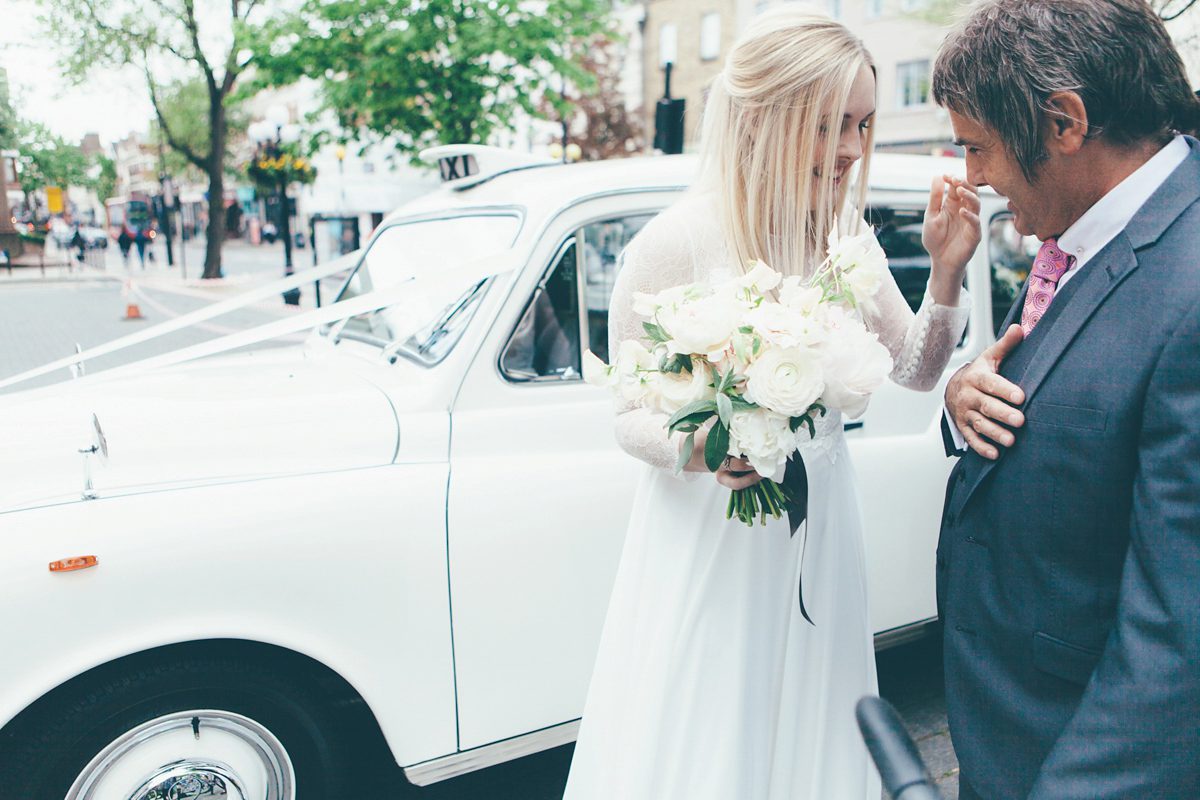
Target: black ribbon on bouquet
(795,481)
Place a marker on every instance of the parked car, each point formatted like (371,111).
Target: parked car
(398,538)
(93,236)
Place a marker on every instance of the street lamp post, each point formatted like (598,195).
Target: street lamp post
(271,133)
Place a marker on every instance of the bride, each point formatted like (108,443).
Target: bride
(710,684)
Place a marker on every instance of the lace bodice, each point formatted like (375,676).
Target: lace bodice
(684,245)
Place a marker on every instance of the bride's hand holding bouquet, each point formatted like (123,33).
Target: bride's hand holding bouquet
(743,368)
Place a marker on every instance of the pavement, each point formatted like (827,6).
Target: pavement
(46,312)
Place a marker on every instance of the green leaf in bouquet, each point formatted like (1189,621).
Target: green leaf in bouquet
(655,332)
(692,414)
(716,447)
(724,409)
(727,381)
(685,452)
(739,348)
(675,364)
(740,403)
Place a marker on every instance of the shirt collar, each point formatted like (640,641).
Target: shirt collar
(1111,213)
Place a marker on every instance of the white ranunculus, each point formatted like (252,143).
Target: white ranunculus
(677,390)
(701,326)
(597,373)
(764,438)
(787,380)
(855,363)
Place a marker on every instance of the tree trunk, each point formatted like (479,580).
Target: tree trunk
(216,187)
(216,222)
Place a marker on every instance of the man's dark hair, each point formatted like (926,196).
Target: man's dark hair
(1005,58)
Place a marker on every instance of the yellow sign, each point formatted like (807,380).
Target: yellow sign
(54,199)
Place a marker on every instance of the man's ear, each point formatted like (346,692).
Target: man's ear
(1066,123)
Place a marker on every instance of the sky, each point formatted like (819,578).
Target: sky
(108,104)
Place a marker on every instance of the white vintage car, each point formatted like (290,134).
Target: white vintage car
(234,569)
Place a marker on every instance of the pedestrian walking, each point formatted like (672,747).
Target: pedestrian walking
(125,241)
(141,240)
(78,241)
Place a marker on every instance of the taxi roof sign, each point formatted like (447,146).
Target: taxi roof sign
(467,165)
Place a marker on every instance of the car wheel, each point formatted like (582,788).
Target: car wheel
(218,729)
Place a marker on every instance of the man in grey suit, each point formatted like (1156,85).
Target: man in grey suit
(1069,559)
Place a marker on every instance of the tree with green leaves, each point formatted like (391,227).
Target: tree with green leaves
(429,72)
(47,160)
(598,121)
(207,45)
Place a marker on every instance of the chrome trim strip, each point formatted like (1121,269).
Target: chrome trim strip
(440,769)
(905,634)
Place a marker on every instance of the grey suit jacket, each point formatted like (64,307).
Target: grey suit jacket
(1069,568)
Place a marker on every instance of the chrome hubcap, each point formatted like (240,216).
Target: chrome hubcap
(190,755)
(191,782)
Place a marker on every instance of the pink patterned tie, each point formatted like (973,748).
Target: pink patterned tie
(1050,265)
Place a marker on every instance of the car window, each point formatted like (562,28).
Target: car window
(548,342)
(409,250)
(1011,257)
(602,246)
(545,343)
(899,233)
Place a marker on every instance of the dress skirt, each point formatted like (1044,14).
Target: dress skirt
(709,683)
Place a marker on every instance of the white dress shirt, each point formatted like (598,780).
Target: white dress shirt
(1105,219)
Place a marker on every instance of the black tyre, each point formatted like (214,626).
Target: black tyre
(208,727)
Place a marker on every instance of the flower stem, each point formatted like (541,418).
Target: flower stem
(755,503)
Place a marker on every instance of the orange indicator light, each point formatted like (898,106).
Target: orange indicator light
(78,562)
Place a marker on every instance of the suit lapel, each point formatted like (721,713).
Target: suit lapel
(1068,313)
(1070,310)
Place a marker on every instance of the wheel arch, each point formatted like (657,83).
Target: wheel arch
(358,718)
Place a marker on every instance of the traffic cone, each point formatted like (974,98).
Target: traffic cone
(131,308)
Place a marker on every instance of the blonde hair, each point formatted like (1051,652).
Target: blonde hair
(787,75)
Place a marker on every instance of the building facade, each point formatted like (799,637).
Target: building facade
(696,36)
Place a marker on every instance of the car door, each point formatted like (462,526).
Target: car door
(539,491)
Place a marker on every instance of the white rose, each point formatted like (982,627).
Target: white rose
(677,390)
(855,364)
(763,437)
(701,326)
(785,379)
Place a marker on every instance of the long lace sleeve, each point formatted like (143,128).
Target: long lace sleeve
(921,344)
(675,248)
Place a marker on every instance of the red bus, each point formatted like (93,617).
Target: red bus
(131,213)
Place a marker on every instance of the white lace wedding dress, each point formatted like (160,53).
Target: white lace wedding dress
(709,684)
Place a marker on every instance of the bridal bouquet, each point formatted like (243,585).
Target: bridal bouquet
(761,366)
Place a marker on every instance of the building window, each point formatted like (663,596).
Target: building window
(710,36)
(667,38)
(835,8)
(912,84)
(873,8)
